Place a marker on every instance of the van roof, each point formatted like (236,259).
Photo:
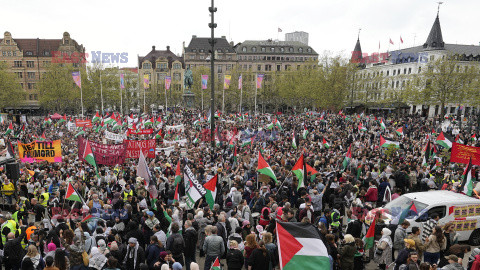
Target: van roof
(437,196)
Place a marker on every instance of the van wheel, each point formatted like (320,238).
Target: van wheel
(474,239)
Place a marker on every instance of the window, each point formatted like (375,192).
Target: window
(388,72)
(19,75)
(17,63)
(219,69)
(219,50)
(263,49)
(404,71)
(250,57)
(147,66)
(279,67)
(31,75)
(30,86)
(394,72)
(35,96)
(30,64)
(300,50)
(268,67)
(29,53)
(290,49)
(272,49)
(162,65)
(309,50)
(409,70)
(46,63)
(432,57)
(254,57)
(282,49)
(259,67)
(439,210)
(177,66)
(244,49)
(4,53)
(192,57)
(177,76)
(229,67)
(419,69)
(201,50)
(254,49)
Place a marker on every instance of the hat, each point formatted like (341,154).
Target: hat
(132,240)
(150,213)
(349,238)
(245,223)
(229,204)
(452,257)
(386,231)
(177,266)
(51,247)
(168,165)
(411,242)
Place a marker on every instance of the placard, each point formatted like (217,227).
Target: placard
(473,224)
(458,225)
(83,123)
(134,147)
(40,151)
(105,154)
(464,210)
(114,137)
(471,210)
(177,127)
(139,132)
(466,225)
(477,210)
(457,212)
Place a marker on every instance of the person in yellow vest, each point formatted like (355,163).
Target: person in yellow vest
(127,192)
(6,227)
(44,196)
(8,189)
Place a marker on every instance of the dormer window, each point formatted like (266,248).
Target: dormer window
(309,50)
(254,49)
(66,41)
(263,49)
(300,50)
(244,49)
(290,50)
(434,44)
(29,53)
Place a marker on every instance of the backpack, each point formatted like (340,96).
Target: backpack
(177,245)
(403,267)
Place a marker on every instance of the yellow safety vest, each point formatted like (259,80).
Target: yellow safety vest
(125,195)
(46,195)
(23,241)
(8,225)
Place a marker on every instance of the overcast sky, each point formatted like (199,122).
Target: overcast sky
(134,26)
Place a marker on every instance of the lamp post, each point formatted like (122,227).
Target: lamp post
(212,9)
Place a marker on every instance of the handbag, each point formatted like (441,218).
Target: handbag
(379,252)
(85,258)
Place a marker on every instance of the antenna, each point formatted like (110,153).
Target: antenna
(359,29)
(438,8)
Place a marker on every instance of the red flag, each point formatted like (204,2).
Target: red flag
(391,42)
(401,40)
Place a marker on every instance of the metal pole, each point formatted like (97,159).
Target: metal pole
(212,26)
(81,90)
(101,89)
(121,96)
(256,89)
(241,95)
(166,104)
(223,101)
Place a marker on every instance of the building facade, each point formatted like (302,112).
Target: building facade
(384,76)
(30,58)
(197,54)
(299,36)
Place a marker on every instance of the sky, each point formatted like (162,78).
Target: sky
(134,26)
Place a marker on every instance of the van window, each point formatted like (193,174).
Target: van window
(397,206)
(440,210)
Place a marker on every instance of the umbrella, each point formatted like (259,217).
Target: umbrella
(56,116)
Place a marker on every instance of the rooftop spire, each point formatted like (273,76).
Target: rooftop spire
(357,51)
(435,38)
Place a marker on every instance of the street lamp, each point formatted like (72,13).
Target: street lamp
(212,26)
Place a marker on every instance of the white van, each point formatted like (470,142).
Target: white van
(462,210)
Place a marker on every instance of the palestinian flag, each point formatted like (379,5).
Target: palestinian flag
(96,118)
(235,156)
(159,134)
(216,265)
(231,143)
(148,122)
(311,170)
(474,137)
(246,142)
(361,127)
(436,166)
(117,125)
(264,168)
(369,238)
(9,129)
(467,180)
(271,125)
(196,140)
(176,196)
(99,127)
(196,122)
(72,194)
(300,247)
(404,214)
(211,188)
(88,156)
(348,157)
(387,143)
(305,132)
(399,132)
(427,154)
(458,140)
(109,120)
(325,143)
(444,140)
(299,170)
(294,143)
(178,175)
(47,121)
(159,121)
(434,133)
(63,119)
(277,124)
(382,125)
(80,133)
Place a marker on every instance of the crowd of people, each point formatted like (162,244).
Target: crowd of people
(121,226)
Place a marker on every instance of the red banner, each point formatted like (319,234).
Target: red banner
(134,147)
(462,154)
(139,132)
(83,123)
(105,154)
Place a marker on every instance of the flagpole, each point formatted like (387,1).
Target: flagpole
(241,95)
(121,96)
(256,89)
(101,89)
(166,104)
(223,100)
(81,90)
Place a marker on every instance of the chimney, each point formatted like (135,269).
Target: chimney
(224,37)
(153,48)
(194,36)
(168,48)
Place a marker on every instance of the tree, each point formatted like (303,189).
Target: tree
(445,80)
(58,91)
(11,93)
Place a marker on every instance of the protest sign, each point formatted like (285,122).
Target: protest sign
(40,151)
(83,123)
(139,132)
(462,154)
(134,147)
(177,127)
(105,154)
(114,137)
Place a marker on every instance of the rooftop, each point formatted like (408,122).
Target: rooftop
(286,47)
(154,54)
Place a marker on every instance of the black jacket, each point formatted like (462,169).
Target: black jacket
(190,237)
(235,259)
(13,251)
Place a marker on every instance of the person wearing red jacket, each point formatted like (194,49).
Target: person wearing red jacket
(372,194)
